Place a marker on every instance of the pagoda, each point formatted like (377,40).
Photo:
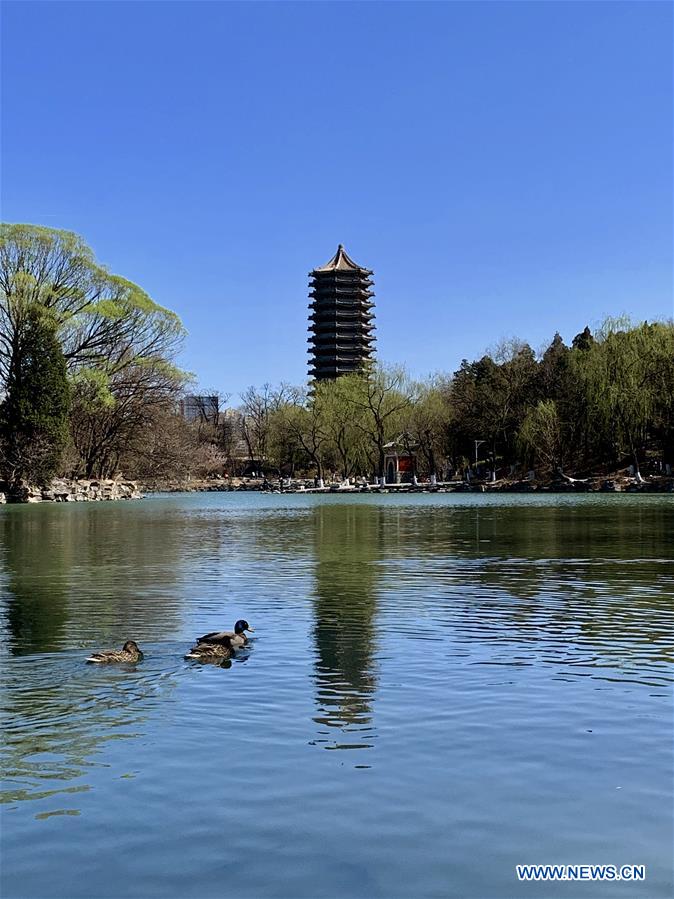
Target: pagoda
(340,317)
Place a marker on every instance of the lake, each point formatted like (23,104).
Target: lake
(439,687)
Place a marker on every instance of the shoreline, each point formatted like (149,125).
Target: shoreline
(111,490)
(618,484)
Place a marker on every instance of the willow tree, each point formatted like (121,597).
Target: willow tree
(541,435)
(621,379)
(118,344)
(339,398)
(662,384)
(96,314)
(428,423)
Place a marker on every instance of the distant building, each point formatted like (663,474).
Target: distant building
(200,408)
(340,317)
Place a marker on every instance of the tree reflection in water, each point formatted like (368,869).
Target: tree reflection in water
(92,569)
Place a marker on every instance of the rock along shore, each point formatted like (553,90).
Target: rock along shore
(64,490)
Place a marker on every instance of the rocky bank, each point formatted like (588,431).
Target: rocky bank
(64,490)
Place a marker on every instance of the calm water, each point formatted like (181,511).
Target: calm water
(439,688)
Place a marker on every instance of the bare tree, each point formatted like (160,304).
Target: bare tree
(256,410)
(383,394)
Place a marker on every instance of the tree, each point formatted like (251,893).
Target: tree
(584,340)
(553,369)
(344,422)
(117,343)
(101,319)
(428,423)
(306,421)
(381,396)
(257,410)
(519,383)
(284,450)
(214,424)
(620,376)
(492,396)
(662,385)
(111,413)
(34,413)
(541,434)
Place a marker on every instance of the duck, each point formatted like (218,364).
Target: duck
(234,639)
(128,653)
(210,652)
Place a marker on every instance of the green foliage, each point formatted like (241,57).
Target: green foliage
(541,435)
(92,387)
(624,377)
(118,344)
(608,398)
(344,419)
(584,340)
(491,398)
(428,424)
(34,414)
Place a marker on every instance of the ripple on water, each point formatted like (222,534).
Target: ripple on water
(492,674)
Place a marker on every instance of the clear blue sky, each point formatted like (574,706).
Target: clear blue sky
(505,168)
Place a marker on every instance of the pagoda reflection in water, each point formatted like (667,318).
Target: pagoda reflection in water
(348,543)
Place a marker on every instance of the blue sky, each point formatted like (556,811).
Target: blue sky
(505,168)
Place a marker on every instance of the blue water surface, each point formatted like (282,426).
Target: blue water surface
(438,688)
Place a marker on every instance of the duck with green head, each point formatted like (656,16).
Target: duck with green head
(234,639)
(129,653)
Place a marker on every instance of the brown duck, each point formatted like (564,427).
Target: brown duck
(128,653)
(210,652)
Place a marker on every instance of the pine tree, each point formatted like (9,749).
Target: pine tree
(583,341)
(34,413)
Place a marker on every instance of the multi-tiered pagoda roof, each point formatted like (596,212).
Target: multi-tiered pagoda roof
(341,317)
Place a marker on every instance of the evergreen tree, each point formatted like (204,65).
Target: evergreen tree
(553,369)
(584,340)
(34,413)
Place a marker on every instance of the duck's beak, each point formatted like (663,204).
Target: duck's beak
(250,629)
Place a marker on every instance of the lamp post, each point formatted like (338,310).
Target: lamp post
(478,443)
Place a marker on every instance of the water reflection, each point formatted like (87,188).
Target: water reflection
(586,585)
(107,574)
(510,660)
(60,714)
(34,583)
(348,544)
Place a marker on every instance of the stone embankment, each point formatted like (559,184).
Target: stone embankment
(617,484)
(208,485)
(64,490)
